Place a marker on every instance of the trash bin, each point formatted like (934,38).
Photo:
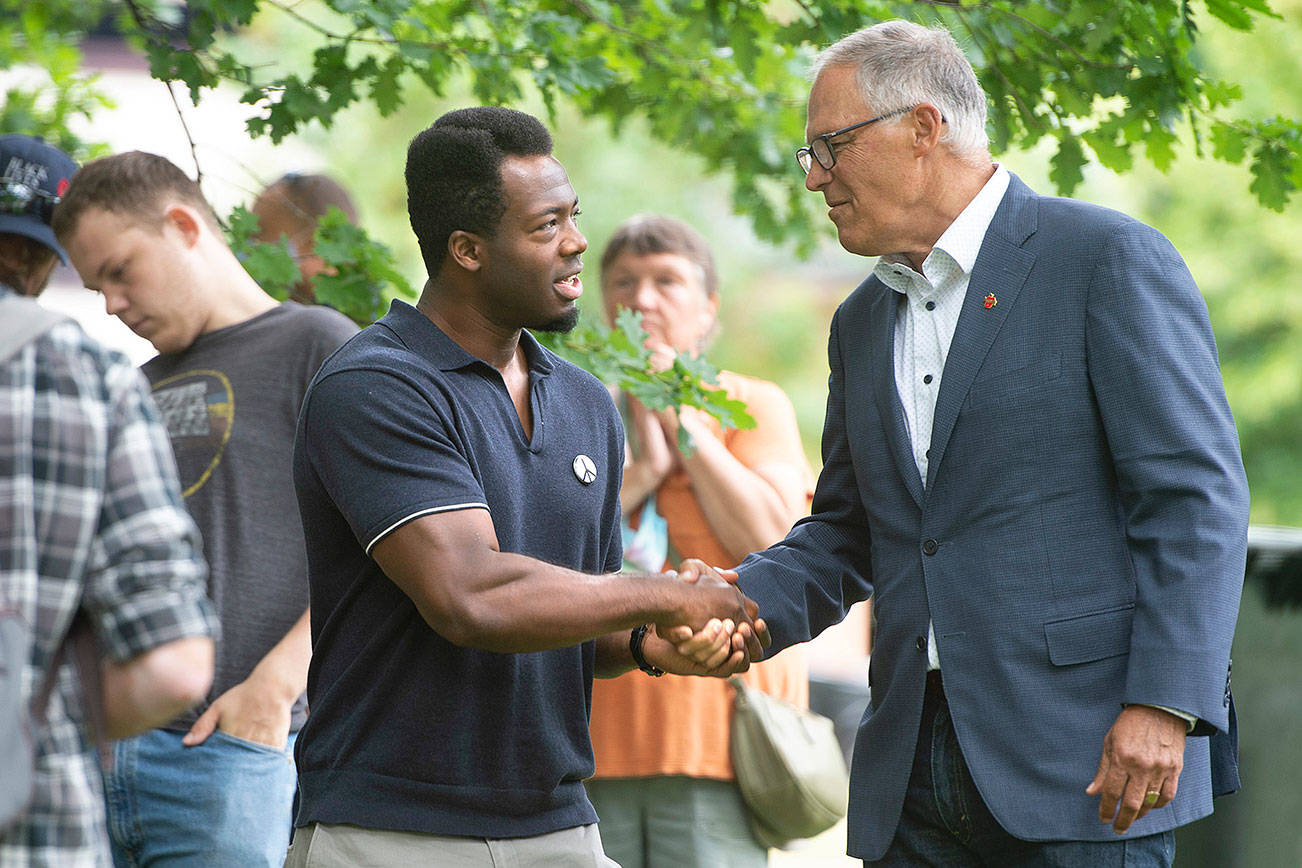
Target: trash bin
(1261,825)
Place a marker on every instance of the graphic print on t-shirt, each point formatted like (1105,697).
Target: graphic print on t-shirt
(199,410)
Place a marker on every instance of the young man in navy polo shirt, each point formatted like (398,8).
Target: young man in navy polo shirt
(459,487)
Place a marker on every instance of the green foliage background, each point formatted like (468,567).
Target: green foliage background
(1248,262)
(693,107)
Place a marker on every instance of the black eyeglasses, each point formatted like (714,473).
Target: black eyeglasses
(19,198)
(821,147)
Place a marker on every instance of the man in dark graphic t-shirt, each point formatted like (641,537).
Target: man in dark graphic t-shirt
(232,369)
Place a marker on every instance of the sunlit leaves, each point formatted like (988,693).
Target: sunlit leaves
(724,79)
(1066,164)
(271,265)
(1238,13)
(360,275)
(619,358)
(1229,143)
(1274,165)
(1109,145)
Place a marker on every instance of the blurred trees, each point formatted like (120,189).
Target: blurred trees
(1102,79)
(1248,262)
(694,107)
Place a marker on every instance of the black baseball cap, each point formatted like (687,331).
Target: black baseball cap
(33,178)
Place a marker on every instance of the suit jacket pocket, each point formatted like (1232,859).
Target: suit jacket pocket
(1086,638)
(1014,378)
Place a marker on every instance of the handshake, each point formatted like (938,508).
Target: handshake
(714,628)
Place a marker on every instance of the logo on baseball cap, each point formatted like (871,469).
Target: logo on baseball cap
(33,178)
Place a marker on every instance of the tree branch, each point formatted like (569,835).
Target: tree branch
(1028,113)
(1093,64)
(808,11)
(389,41)
(194,154)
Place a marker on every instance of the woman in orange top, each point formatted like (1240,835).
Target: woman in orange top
(664,787)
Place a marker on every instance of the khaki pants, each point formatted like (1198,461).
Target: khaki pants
(338,846)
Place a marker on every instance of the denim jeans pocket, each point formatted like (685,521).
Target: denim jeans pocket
(246,744)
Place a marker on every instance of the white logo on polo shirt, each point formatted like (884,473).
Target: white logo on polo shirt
(584,470)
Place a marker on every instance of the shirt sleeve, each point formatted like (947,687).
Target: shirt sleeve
(145,581)
(329,334)
(1178,474)
(775,439)
(1190,720)
(386,452)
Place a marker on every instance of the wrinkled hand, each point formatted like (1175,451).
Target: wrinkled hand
(718,594)
(1143,752)
(253,710)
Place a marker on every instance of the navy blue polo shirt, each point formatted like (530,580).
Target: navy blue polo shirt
(406,730)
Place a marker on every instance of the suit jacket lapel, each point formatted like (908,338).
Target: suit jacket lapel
(1000,271)
(889,408)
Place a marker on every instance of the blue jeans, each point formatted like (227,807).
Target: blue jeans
(225,802)
(946,822)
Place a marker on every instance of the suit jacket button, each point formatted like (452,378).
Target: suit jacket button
(921,642)
(929,547)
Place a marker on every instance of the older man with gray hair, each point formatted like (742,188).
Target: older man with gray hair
(1030,465)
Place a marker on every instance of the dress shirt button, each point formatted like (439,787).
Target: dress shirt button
(927,379)
(930,546)
(931,305)
(921,642)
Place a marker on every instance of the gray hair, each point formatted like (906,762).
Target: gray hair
(900,64)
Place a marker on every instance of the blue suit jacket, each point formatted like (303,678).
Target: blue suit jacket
(1079,542)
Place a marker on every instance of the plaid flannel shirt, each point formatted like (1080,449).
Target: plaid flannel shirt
(91,518)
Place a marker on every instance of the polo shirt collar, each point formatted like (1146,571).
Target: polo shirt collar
(421,335)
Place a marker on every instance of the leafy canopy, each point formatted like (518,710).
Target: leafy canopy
(724,79)
(1104,79)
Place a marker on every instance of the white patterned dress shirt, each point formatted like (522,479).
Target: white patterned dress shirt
(929,305)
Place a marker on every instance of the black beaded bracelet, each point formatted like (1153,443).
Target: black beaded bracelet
(635,640)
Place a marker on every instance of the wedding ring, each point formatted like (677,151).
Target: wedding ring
(1151,798)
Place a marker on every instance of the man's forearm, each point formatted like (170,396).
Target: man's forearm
(537,606)
(284,667)
(154,687)
(612,655)
(477,596)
